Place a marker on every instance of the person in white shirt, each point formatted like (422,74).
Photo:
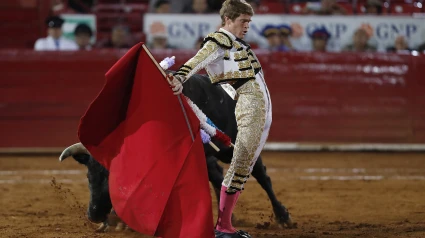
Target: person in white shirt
(54,40)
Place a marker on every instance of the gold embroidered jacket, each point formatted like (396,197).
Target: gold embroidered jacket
(225,58)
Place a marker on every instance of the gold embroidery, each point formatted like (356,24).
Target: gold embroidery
(253,61)
(241,55)
(244,64)
(226,54)
(245,59)
(256,64)
(202,54)
(220,38)
(236,45)
(244,74)
(230,75)
(251,117)
(237,56)
(216,77)
(206,55)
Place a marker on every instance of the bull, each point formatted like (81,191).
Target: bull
(219,107)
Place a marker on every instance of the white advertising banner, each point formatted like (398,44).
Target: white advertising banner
(184,30)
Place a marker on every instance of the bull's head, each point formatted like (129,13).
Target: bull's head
(100,203)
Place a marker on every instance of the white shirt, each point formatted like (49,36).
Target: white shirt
(48,43)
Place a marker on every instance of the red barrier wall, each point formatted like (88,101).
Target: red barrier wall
(316,97)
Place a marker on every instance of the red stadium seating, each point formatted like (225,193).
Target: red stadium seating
(271,7)
(110,14)
(125,8)
(18,4)
(347,5)
(20,23)
(296,8)
(401,8)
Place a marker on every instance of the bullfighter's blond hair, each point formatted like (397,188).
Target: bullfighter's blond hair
(233,9)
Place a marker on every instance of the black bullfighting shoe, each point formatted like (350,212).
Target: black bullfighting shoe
(237,234)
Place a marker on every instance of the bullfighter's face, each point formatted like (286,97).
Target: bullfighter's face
(239,27)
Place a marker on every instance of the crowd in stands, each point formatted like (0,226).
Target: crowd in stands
(278,36)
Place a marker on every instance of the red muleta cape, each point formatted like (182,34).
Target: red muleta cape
(136,128)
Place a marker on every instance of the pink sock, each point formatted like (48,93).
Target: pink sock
(227,204)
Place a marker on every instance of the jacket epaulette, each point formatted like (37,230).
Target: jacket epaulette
(220,38)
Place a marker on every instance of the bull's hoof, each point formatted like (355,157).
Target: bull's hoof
(107,229)
(289,223)
(284,218)
(107,226)
(120,226)
(103,227)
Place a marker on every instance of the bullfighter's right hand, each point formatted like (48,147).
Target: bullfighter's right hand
(176,83)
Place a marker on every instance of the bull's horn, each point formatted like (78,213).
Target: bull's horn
(74,149)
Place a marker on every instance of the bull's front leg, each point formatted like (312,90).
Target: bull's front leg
(113,220)
(282,215)
(120,225)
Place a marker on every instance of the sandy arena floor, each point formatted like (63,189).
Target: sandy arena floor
(328,194)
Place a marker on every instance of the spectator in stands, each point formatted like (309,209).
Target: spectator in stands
(360,42)
(176,6)
(373,7)
(120,38)
(58,7)
(327,7)
(186,6)
(272,34)
(162,6)
(83,34)
(400,45)
(71,6)
(319,39)
(54,39)
(81,6)
(159,41)
(285,35)
(198,7)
